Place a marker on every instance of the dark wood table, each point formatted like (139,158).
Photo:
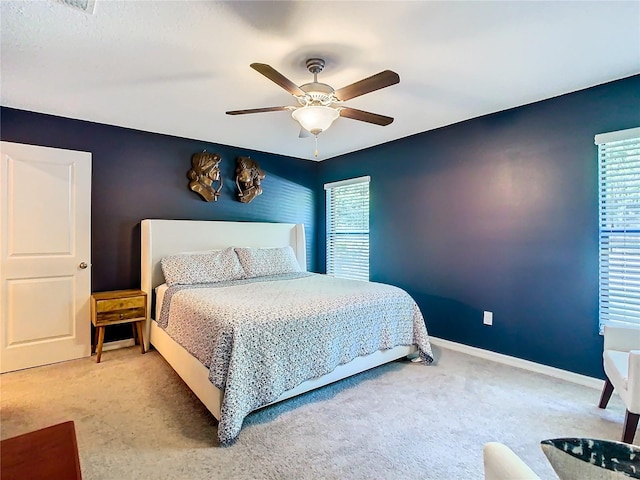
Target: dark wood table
(49,453)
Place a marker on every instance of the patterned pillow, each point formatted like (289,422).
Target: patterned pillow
(205,267)
(260,262)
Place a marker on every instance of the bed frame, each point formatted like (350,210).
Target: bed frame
(165,237)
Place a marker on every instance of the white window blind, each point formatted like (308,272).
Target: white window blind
(619,227)
(347,237)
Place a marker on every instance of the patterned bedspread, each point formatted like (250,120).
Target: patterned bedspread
(263,336)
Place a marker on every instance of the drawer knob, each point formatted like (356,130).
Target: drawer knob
(121,316)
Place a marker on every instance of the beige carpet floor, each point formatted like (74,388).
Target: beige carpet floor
(135,419)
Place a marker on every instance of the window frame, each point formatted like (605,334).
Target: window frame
(353,237)
(618,228)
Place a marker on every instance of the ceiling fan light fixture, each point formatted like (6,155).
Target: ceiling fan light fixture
(315,118)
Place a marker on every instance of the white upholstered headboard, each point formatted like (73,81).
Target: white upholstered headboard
(165,237)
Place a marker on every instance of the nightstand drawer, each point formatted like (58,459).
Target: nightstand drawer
(120,304)
(114,316)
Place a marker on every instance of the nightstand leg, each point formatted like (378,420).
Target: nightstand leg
(100,340)
(134,327)
(139,326)
(95,340)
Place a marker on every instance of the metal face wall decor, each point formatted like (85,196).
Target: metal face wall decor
(204,172)
(249,176)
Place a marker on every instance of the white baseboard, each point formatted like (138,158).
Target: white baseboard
(591,382)
(127,342)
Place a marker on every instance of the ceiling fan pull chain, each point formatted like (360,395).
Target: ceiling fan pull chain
(316,152)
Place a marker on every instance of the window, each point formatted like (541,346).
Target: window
(347,204)
(619,227)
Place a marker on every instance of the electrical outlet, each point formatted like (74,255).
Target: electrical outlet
(487,318)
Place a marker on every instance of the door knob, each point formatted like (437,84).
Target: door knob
(83,265)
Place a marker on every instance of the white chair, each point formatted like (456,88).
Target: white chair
(501,463)
(621,358)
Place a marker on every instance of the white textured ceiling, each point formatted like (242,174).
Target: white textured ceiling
(175,67)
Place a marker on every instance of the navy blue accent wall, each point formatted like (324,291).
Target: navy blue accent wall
(497,213)
(138,175)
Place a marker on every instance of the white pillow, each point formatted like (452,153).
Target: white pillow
(205,267)
(260,262)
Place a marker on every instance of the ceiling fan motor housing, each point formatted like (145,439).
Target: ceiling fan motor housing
(316,94)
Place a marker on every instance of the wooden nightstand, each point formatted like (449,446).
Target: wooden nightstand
(118,306)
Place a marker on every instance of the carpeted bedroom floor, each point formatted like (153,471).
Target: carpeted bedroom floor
(135,419)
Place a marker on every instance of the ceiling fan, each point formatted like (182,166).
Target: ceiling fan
(319,103)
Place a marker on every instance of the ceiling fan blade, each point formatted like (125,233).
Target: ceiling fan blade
(367,85)
(258,110)
(363,116)
(276,77)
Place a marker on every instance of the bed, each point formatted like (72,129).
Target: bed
(163,239)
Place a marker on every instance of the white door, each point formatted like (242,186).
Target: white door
(45,255)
